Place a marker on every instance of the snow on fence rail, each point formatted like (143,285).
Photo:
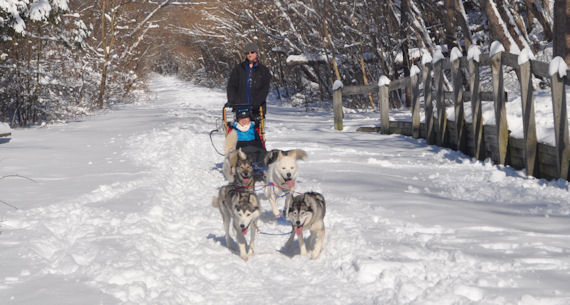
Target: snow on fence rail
(475,139)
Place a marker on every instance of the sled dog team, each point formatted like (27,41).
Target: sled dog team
(240,207)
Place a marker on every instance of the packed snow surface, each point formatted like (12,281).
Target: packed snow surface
(116,209)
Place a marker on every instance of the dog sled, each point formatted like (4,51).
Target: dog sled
(230,117)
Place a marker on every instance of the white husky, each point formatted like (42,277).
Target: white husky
(308,211)
(241,208)
(281,176)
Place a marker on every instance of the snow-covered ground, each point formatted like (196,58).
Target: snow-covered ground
(116,209)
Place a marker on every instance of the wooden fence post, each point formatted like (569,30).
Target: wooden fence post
(476,109)
(560,115)
(414,71)
(384,95)
(426,76)
(457,96)
(337,104)
(529,124)
(497,51)
(441,113)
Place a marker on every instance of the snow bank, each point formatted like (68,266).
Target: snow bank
(5,128)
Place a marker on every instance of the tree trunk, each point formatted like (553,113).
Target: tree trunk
(108,43)
(461,20)
(420,29)
(102,86)
(333,53)
(503,30)
(36,96)
(449,23)
(540,13)
(561,43)
(404,16)
(105,51)
(361,60)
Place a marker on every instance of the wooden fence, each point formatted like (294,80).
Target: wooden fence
(476,139)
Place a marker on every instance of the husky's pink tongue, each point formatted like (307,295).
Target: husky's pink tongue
(244,231)
(245,180)
(299,230)
(290,183)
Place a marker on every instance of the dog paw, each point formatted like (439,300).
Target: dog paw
(314,255)
(244,258)
(303,253)
(250,252)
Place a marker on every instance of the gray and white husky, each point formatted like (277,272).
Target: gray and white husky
(241,209)
(281,174)
(307,212)
(238,169)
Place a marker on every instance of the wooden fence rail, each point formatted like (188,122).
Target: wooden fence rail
(475,139)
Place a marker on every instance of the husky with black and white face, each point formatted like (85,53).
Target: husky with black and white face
(281,175)
(238,169)
(240,209)
(307,212)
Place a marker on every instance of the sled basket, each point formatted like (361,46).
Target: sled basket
(229,116)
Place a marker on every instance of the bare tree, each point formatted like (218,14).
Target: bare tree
(123,26)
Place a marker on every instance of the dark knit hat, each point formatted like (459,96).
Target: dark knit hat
(243,112)
(251,47)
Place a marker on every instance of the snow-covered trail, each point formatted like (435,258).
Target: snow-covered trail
(121,214)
